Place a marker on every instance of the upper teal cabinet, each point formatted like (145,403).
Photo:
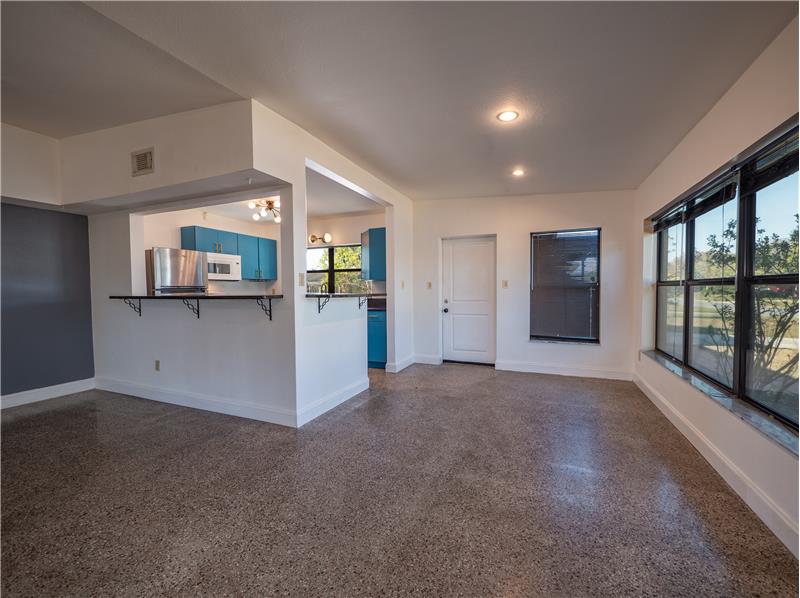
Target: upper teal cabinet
(248,249)
(259,255)
(211,240)
(259,258)
(268,259)
(373,254)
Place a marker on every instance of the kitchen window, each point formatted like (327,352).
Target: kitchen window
(335,269)
(727,289)
(565,285)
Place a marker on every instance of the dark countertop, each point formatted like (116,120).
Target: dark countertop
(335,295)
(196,296)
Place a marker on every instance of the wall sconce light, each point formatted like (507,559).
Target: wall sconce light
(325,238)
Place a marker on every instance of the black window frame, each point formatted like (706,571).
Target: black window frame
(745,181)
(596,284)
(331,271)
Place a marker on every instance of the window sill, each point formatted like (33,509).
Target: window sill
(564,341)
(763,422)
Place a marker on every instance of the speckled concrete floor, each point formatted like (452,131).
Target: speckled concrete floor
(440,481)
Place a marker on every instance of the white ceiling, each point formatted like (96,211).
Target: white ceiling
(324,197)
(66,69)
(410,90)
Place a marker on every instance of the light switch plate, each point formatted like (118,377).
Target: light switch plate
(505,284)
(301,279)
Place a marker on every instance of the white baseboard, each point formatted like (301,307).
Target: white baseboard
(775,518)
(397,366)
(428,359)
(330,401)
(48,392)
(273,415)
(560,370)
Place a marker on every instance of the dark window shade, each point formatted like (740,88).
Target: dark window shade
(565,285)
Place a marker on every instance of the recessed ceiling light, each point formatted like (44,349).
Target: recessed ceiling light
(507,116)
(518,172)
(256,217)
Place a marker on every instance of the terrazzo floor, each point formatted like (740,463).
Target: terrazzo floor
(439,481)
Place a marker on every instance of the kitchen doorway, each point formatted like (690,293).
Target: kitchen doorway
(469,298)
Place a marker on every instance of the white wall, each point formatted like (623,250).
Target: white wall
(231,360)
(513,220)
(189,146)
(30,167)
(288,370)
(764,473)
(164,230)
(345,228)
(284,150)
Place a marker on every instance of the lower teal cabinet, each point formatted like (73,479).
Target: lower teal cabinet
(376,339)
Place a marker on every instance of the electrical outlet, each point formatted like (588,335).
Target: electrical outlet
(402,284)
(158,365)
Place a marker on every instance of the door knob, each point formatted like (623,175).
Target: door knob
(445,310)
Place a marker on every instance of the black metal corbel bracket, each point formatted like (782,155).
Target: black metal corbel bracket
(135,305)
(322,302)
(193,307)
(267,309)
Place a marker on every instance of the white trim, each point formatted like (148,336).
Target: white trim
(283,417)
(330,401)
(394,367)
(48,392)
(428,359)
(775,518)
(560,370)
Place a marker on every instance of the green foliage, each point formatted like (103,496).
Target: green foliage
(773,369)
(347,258)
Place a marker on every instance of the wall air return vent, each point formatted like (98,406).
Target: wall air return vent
(142,162)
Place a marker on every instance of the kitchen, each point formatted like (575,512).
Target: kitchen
(231,252)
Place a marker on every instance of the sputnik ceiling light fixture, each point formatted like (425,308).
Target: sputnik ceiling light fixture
(265,208)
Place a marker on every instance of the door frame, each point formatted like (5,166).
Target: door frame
(440,294)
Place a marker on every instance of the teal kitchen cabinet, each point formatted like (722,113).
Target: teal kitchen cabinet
(267,259)
(373,254)
(200,238)
(248,250)
(376,339)
(228,242)
(259,258)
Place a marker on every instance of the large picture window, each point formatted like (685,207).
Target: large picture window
(334,269)
(565,285)
(727,300)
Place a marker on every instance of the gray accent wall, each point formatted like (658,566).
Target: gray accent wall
(46,304)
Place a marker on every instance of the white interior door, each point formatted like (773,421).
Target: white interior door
(468,299)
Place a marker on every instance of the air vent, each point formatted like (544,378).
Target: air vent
(142,162)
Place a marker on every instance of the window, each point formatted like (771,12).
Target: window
(334,269)
(729,311)
(565,285)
